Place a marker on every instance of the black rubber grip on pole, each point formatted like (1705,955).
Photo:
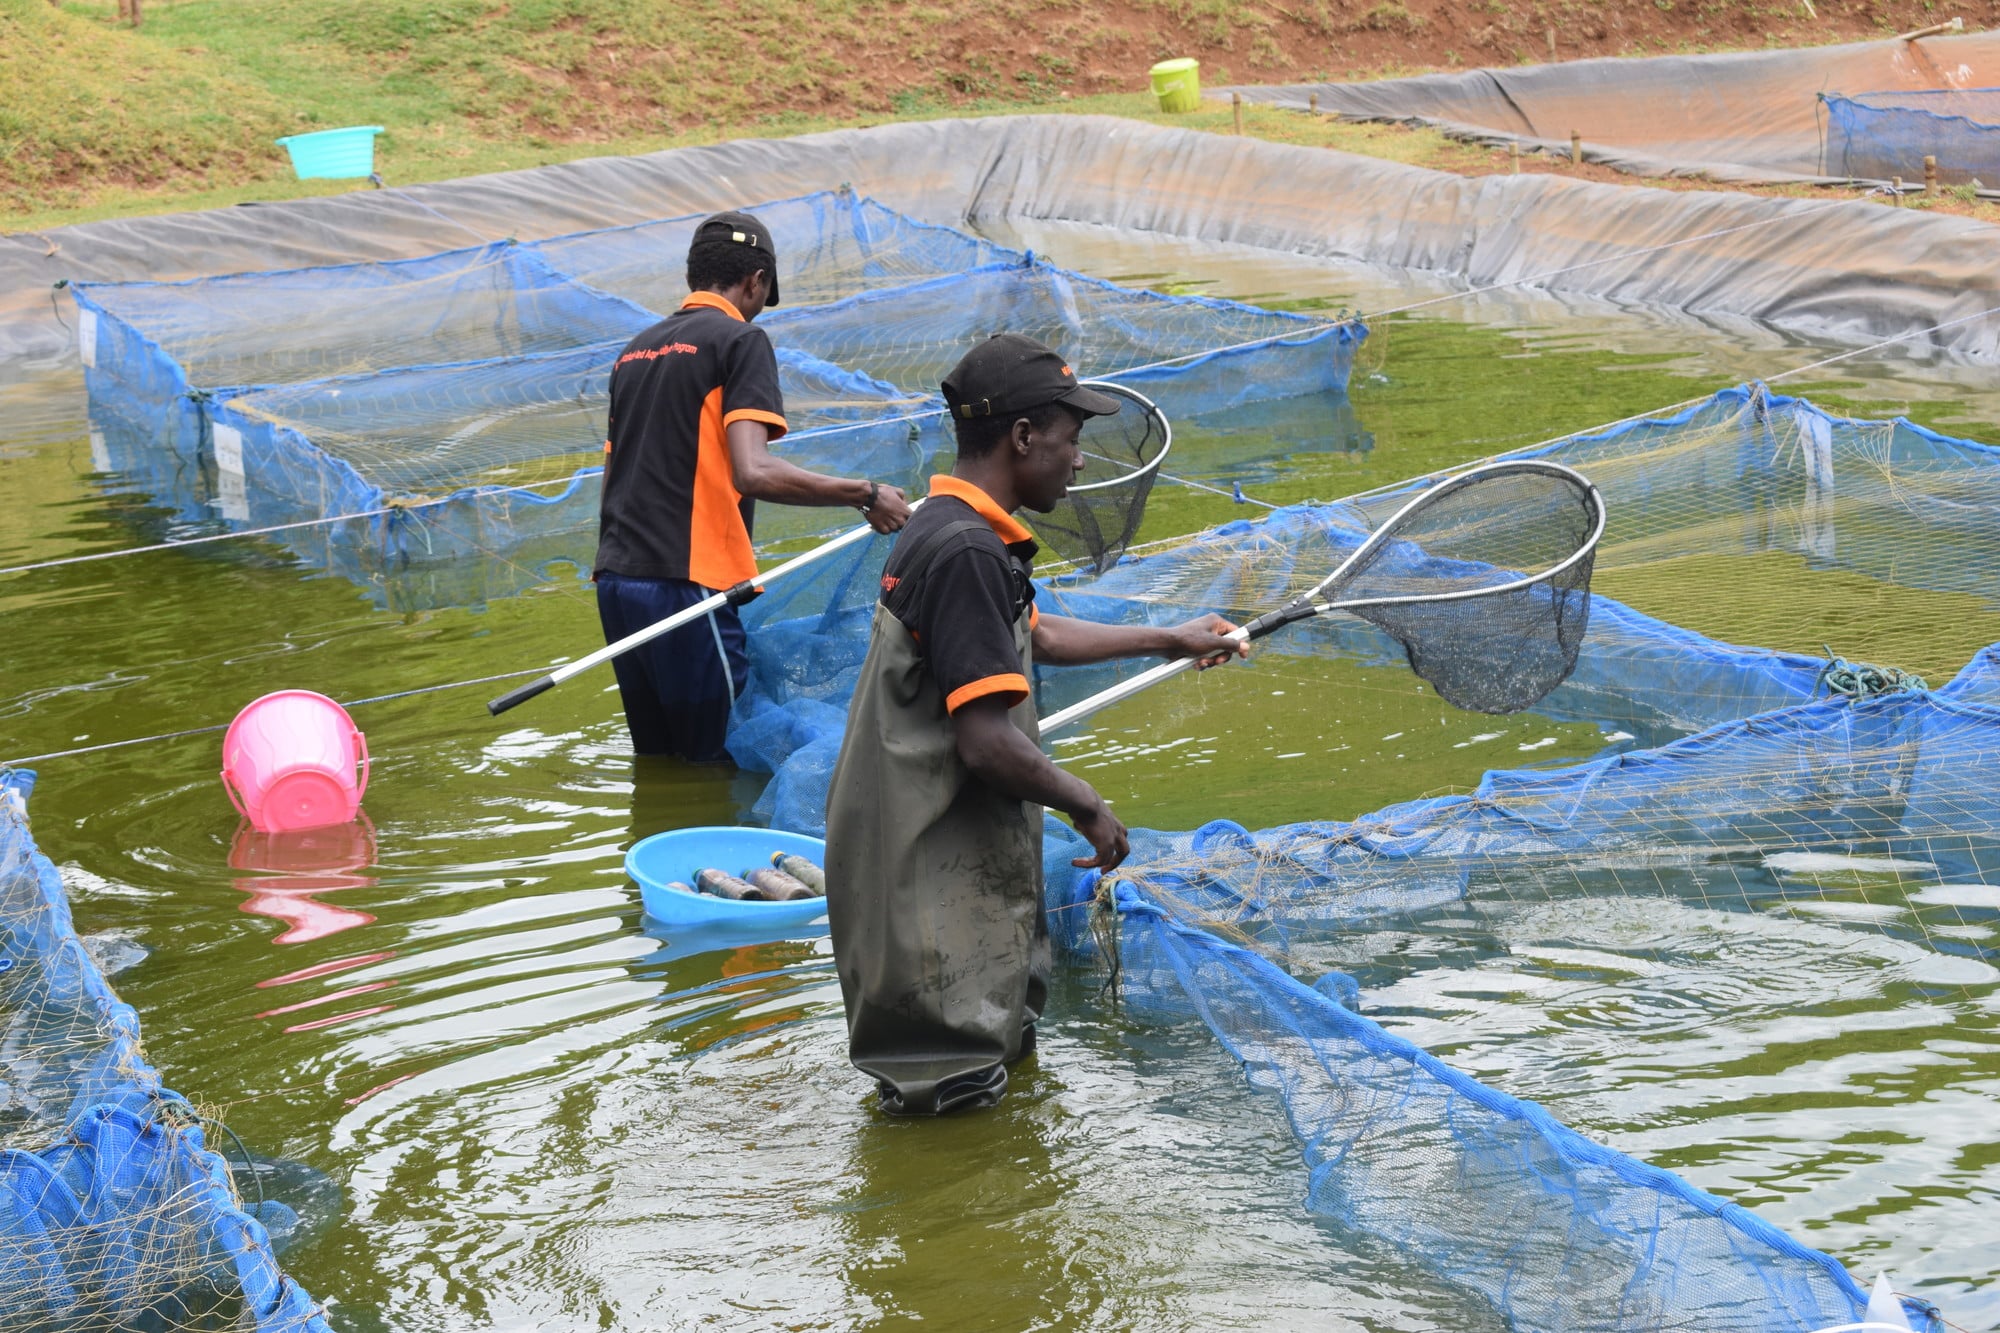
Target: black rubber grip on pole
(520,696)
(745,591)
(1274,620)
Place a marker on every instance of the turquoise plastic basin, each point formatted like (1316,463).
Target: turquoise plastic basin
(663,858)
(342,154)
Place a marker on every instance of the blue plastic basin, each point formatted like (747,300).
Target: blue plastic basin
(657,861)
(342,154)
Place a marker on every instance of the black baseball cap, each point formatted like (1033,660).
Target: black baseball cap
(1011,372)
(741,229)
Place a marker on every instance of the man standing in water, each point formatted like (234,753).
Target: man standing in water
(694,406)
(934,820)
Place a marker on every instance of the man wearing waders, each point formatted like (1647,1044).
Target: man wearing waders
(694,406)
(934,815)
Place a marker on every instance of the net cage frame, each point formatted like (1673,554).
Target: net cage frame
(410,554)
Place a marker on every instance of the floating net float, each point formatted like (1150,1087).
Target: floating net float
(452,407)
(115,1212)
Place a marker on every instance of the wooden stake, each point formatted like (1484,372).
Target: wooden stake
(1575,149)
(1896,185)
(1930,174)
(1514,152)
(135,13)
(1312,104)
(1552,43)
(1236,104)
(1954,25)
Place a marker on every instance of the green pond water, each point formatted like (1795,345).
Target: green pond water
(535,1111)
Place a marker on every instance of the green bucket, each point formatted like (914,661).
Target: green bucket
(1177,83)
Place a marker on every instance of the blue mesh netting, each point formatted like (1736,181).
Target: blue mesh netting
(488,301)
(1493,1193)
(1878,136)
(467,389)
(832,244)
(1399,1144)
(1744,475)
(912,335)
(1910,776)
(475,435)
(113,1211)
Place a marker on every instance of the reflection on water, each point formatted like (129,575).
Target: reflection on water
(291,869)
(544,1114)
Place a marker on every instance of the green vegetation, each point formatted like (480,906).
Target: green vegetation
(464,87)
(82,101)
(98,119)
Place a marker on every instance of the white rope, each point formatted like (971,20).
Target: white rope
(406,508)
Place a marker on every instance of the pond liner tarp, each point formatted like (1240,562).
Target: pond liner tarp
(114,1212)
(1742,117)
(1854,272)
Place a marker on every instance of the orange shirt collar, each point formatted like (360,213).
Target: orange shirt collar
(1004,524)
(714,302)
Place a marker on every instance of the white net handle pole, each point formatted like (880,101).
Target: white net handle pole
(1125,689)
(736,596)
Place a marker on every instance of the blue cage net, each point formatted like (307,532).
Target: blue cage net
(114,1212)
(439,409)
(1767,788)
(1754,768)
(831,244)
(1882,136)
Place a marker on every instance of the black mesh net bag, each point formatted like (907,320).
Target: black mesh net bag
(1484,579)
(1099,517)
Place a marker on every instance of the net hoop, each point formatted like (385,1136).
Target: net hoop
(1459,481)
(1151,409)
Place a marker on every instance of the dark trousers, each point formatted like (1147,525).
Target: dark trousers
(679,688)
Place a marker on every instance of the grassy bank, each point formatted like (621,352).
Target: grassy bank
(98,119)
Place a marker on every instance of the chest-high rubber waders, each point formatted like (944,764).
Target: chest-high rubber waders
(933,879)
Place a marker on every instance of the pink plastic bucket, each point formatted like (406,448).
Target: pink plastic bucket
(294,760)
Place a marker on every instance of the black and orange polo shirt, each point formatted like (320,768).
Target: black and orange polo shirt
(671,509)
(973,590)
